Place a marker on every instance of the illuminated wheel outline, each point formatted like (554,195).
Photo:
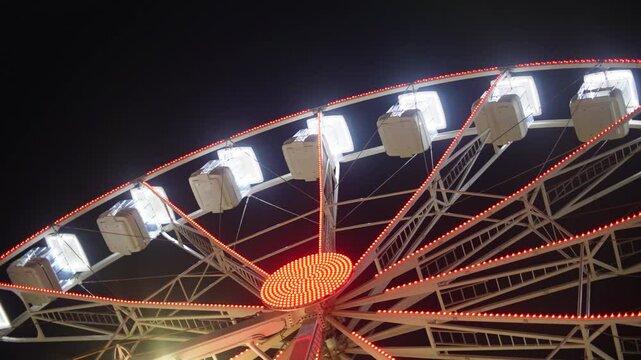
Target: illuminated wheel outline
(343,302)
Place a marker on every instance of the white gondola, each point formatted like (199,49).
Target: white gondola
(509,110)
(301,150)
(151,208)
(408,127)
(40,268)
(124,230)
(603,98)
(221,184)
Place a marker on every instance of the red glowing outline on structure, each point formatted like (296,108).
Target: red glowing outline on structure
(435,169)
(600,229)
(513,195)
(371,344)
(240,354)
(85,297)
(284,118)
(211,237)
(321,197)
(618,315)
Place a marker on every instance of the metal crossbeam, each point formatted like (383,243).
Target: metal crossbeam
(430,285)
(451,334)
(525,193)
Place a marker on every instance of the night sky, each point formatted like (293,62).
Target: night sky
(98,93)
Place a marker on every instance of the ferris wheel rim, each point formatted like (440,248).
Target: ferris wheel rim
(156,172)
(457,76)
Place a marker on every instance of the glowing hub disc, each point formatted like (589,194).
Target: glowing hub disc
(306,280)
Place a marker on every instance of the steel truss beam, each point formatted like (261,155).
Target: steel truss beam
(450,334)
(525,196)
(114,319)
(446,281)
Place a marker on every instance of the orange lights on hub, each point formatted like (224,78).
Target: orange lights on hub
(306,280)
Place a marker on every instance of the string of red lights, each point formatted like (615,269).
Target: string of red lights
(548,246)
(431,175)
(254,130)
(211,237)
(141,303)
(321,197)
(459,228)
(490,316)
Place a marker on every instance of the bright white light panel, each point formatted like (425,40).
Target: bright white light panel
(4,319)
(151,208)
(68,252)
(525,88)
(601,83)
(243,164)
(335,132)
(430,105)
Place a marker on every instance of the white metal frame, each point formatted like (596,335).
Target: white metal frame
(534,212)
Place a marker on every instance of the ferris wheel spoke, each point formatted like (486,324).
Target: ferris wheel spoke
(504,232)
(115,320)
(270,325)
(577,190)
(273,342)
(473,147)
(224,258)
(410,262)
(462,332)
(433,283)
(467,249)
(367,346)
(308,343)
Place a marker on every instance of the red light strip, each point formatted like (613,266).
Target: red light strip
(237,356)
(321,197)
(510,198)
(429,178)
(370,344)
(101,299)
(211,237)
(599,230)
(279,354)
(578,61)
(288,117)
(235,136)
(62,219)
(515,315)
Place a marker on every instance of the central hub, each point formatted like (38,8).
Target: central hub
(306,280)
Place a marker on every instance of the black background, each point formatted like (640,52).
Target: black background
(97,93)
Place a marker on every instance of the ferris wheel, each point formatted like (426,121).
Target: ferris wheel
(496,234)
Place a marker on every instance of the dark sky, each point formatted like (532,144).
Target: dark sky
(97,93)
